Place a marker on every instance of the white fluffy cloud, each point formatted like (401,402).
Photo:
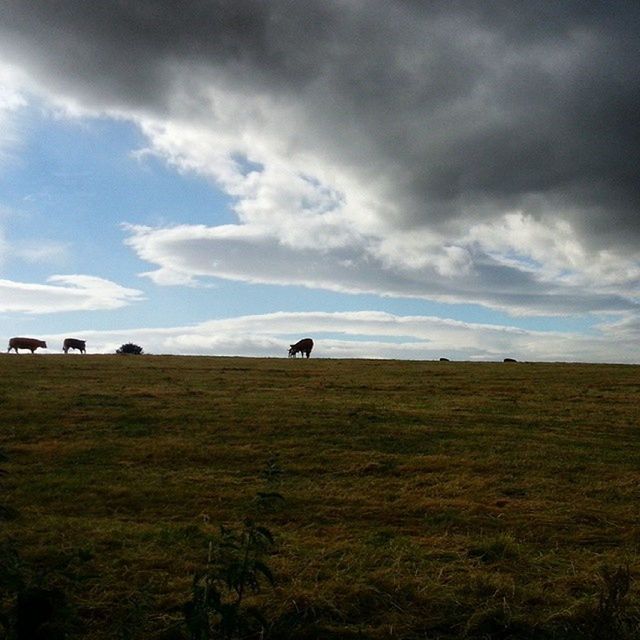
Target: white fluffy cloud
(460,273)
(65,293)
(370,334)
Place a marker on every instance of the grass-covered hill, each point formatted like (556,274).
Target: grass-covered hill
(418,499)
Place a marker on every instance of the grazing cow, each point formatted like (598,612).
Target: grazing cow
(26,343)
(74,343)
(444,359)
(303,346)
(509,360)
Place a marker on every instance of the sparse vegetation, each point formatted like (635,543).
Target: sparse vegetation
(236,569)
(612,618)
(422,501)
(6,511)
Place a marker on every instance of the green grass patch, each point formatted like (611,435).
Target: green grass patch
(407,499)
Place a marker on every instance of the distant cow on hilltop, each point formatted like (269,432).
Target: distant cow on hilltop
(26,343)
(74,343)
(303,346)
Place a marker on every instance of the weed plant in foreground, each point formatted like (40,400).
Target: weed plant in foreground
(406,499)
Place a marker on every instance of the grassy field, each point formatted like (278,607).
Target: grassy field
(422,499)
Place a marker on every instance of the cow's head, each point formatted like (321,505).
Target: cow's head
(43,344)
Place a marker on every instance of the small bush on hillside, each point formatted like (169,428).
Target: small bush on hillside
(130,348)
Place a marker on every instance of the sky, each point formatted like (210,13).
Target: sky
(394,178)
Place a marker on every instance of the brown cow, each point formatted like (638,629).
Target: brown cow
(26,343)
(303,346)
(74,343)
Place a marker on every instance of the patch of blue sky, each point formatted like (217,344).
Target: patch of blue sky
(228,299)
(519,260)
(177,306)
(75,181)
(301,299)
(23,324)
(245,165)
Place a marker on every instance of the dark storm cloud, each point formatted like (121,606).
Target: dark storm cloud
(120,49)
(468,108)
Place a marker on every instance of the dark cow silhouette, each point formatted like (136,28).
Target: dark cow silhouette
(303,346)
(509,360)
(26,343)
(444,359)
(74,343)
